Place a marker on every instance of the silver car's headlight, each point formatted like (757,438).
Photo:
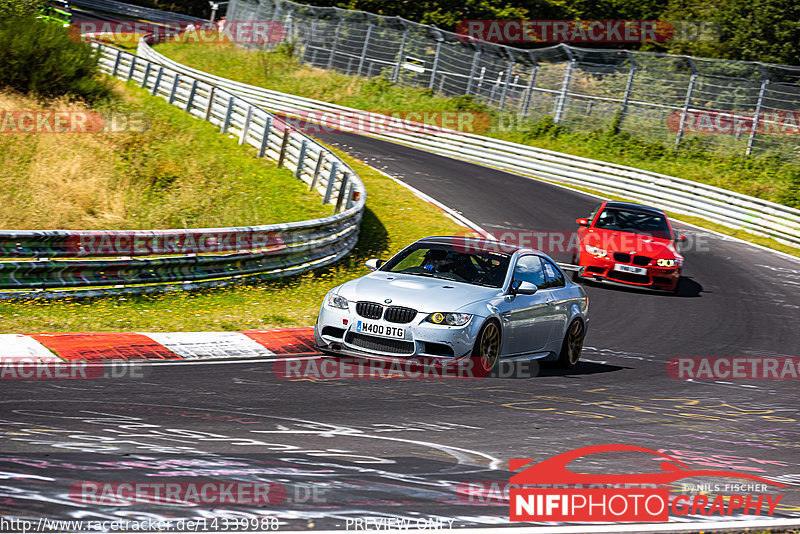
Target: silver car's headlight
(337,301)
(596,251)
(451,319)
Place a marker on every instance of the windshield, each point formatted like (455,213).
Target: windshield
(442,261)
(638,222)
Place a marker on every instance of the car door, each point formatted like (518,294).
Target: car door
(526,318)
(554,287)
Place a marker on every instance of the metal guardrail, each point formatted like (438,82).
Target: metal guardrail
(129,10)
(677,195)
(132,257)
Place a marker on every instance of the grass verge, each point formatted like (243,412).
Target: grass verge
(393,218)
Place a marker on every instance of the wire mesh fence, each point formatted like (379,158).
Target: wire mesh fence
(730,107)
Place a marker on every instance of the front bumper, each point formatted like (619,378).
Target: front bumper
(602,270)
(337,331)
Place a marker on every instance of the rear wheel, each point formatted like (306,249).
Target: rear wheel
(487,346)
(572,345)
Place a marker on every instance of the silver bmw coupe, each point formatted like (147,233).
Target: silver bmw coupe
(450,298)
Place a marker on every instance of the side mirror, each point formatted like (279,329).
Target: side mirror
(682,238)
(374,264)
(524,288)
(582,222)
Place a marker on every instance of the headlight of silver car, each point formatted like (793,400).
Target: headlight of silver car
(337,301)
(448,318)
(596,251)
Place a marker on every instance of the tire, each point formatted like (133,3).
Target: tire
(487,346)
(572,345)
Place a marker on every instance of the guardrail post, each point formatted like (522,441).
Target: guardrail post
(436,53)
(623,110)
(262,150)
(192,92)
(686,103)
(512,59)
(335,39)
(116,63)
(146,74)
(284,144)
(157,84)
(301,158)
(364,49)
(562,96)
(401,52)
(317,169)
(174,89)
(342,191)
(132,68)
(757,114)
(226,122)
(472,70)
(331,182)
(210,105)
(246,125)
(526,101)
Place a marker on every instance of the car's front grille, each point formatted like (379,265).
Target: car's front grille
(629,277)
(622,257)
(398,314)
(333,331)
(641,260)
(370,310)
(395,346)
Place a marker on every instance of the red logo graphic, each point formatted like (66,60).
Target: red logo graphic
(618,504)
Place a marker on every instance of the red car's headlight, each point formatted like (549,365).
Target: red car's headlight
(664,262)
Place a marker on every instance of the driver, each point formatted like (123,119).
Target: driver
(436,261)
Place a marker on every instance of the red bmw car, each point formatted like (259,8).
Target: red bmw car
(629,244)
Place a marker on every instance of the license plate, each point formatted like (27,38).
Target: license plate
(629,269)
(377,329)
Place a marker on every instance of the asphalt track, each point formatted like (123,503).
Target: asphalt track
(403,449)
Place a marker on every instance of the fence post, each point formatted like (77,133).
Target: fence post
(317,169)
(526,101)
(512,59)
(116,63)
(331,182)
(192,92)
(284,144)
(757,114)
(132,68)
(262,150)
(342,190)
(435,65)
(311,34)
(472,70)
(301,158)
(686,102)
(227,120)
(335,39)
(174,89)
(209,107)
(562,96)
(401,52)
(157,84)
(628,86)
(146,74)
(364,50)
(246,126)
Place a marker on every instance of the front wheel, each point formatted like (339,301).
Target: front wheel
(487,346)
(572,345)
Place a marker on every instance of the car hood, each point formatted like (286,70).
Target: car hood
(422,293)
(627,242)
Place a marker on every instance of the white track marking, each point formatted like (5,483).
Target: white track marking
(202,345)
(15,347)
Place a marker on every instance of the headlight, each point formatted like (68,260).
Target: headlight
(452,319)
(335,301)
(666,263)
(595,251)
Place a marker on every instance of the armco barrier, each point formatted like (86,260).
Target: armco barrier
(195,257)
(678,195)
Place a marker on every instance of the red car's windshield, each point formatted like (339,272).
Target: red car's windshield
(638,222)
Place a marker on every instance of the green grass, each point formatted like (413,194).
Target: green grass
(394,218)
(177,173)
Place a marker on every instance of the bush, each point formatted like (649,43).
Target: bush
(39,58)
